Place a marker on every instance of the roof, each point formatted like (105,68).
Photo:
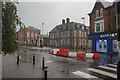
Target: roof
(104,3)
(31,28)
(68,26)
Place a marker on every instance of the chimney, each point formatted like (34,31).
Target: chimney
(63,21)
(67,20)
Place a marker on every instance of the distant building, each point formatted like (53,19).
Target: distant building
(29,36)
(103,27)
(46,40)
(70,35)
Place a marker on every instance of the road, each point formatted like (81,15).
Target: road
(63,67)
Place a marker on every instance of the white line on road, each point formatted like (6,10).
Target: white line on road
(109,68)
(112,65)
(83,74)
(103,72)
(49,61)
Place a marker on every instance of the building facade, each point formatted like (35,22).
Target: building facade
(70,35)
(103,27)
(29,36)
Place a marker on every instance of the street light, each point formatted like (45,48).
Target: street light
(83,27)
(83,18)
(41,41)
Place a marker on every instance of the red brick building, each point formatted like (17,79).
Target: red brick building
(70,35)
(103,27)
(29,36)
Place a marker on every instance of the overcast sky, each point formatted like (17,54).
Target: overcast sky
(52,13)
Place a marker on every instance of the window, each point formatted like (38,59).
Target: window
(35,34)
(101,12)
(61,34)
(61,41)
(97,13)
(90,43)
(68,41)
(100,44)
(80,33)
(115,45)
(99,27)
(74,32)
(32,34)
(80,42)
(105,44)
(28,34)
(74,41)
(68,33)
(85,34)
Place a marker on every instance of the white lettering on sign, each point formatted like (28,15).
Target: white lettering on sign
(108,35)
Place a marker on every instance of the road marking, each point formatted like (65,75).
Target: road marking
(103,72)
(84,75)
(112,65)
(109,68)
(49,61)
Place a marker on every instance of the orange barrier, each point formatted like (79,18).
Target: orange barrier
(81,55)
(96,55)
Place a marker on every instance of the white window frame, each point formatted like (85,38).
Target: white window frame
(101,12)
(28,34)
(97,13)
(101,22)
(80,33)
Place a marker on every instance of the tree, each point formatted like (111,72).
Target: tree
(10,20)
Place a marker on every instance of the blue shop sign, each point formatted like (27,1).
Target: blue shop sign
(99,36)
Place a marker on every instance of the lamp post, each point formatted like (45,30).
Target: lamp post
(83,27)
(83,18)
(41,43)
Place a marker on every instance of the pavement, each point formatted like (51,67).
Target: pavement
(23,70)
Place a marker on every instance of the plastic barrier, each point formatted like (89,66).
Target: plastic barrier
(81,55)
(54,51)
(96,55)
(89,55)
(63,52)
(72,54)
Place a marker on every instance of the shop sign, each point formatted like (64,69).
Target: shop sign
(108,35)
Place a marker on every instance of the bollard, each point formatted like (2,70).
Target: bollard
(118,70)
(43,64)
(33,59)
(45,73)
(17,59)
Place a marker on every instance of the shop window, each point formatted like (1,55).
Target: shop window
(105,45)
(115,47)
(100,44)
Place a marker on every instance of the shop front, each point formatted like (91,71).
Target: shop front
(104,42)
